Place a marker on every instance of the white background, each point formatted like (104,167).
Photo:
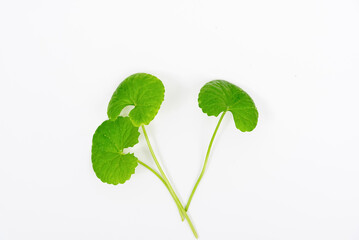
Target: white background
(296,176)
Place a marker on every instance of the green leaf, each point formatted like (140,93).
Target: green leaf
(109,162)
(218,96)
(141,90)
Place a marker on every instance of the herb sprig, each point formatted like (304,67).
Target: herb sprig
(145,93)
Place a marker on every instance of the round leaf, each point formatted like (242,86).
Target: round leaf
(218,96)
(109,162)
(141,90)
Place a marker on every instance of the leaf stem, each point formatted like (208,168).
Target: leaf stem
(178,202)
(179,206)
(205,161)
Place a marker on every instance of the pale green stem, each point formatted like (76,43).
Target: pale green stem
(205,161)
(179,205)
(168,183)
